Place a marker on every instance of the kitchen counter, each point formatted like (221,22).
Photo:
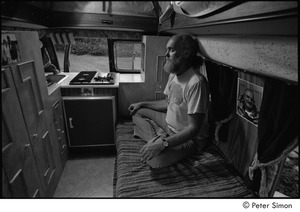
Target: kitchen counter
(64,83)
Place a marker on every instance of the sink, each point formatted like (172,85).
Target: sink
(54,78)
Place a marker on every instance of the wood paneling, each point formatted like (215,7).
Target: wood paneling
(6,190)
(56,128)
(29,94)
(30,51)
(287,26)
(18,185)
(24,12)
(17,156)
(31,91)
(27,86)
(59,127)
(30,155)
(102,21)
(28,14)
(44,154)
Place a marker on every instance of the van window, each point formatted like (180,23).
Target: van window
(125,56)
(86,54)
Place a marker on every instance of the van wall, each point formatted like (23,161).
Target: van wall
(266,55)
(259,56)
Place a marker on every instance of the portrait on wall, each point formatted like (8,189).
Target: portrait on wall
(10,52)
(249,99)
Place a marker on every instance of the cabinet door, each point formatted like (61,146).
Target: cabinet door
(59,127)
(17,157)
(29,94)
(90,120)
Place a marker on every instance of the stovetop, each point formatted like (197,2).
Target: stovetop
(93,78)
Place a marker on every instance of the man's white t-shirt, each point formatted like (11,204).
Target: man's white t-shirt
(187,94)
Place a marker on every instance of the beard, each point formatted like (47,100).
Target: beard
(249,106)
(172,66)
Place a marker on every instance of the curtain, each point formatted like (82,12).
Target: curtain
(277,134)
(223,85)
(278,122)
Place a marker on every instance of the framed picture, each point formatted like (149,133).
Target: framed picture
(10,52)
(249,99)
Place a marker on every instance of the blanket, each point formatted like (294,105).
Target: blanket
(203,175)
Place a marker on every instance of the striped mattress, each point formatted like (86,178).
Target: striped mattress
(205,175)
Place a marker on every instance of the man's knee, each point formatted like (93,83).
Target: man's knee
(142,112)
(169,157)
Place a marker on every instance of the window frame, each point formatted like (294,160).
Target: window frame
(111,55)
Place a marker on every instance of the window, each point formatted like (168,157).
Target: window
(88,50)
(86,54)
(125,56)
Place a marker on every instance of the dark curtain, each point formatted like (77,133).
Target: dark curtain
(278,121)
(223,86)
(278,124)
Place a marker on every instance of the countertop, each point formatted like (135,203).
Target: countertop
(64,83)
(120,78)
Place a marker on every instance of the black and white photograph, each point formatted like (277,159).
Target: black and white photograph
(147,100)
(10,52)
(249,101)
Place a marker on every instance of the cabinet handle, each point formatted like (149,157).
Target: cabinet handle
(34,136)
(27,145)
(70,122)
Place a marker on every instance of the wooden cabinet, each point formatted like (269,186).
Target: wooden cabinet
(21,177)
(59,127)
(90,121)
(32,106)
(30,159)
(57,135)
(56,125)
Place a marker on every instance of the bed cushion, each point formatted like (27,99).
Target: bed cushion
(204,175)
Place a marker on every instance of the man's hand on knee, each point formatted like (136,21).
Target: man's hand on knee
(134,107)
(152,149)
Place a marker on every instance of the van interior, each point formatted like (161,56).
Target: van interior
(71,69)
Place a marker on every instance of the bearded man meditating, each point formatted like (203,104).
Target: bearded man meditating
(177,127)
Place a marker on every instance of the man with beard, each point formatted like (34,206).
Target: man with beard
(177,127)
